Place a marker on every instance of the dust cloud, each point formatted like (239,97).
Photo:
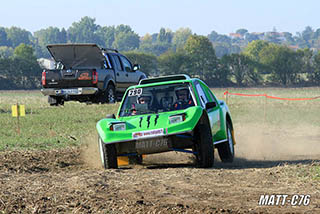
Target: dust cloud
(253,142)
(263,142)
(90,151)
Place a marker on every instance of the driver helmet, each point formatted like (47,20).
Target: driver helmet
(182,93)
(145,97)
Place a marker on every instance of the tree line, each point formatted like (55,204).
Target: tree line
(247,60)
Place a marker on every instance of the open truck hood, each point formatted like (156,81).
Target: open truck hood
(77,55)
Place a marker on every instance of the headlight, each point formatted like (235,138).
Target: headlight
(177,118)
(118,127)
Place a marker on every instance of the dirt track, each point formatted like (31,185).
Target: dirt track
(62,182)
(72,181)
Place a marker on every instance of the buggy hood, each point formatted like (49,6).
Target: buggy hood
(77,55)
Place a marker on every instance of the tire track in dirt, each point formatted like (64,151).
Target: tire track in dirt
(71,180)
(60,181)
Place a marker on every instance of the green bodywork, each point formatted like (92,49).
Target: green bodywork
(216,117)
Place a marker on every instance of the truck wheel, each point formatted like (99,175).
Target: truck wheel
(226,149)
(111,94)
(108,153)
(204,147)
(55,101)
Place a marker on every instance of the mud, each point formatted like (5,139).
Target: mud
(72,181)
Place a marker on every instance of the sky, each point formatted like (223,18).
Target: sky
(148,16)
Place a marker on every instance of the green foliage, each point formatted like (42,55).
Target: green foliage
(284,63)
(51,35)
(175,55)
(223,48)
(315,75)
(180,37)
(106,36)
(165,36)
(126,41)
(16,36)
(20,71)
(242,31)
(3,37)
(202,57)
(83,31)
(254,48)
(242,69)
(24,52)
(6,51)
(148,62)
(171,63)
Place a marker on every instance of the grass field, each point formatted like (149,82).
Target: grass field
(46,127)
(54,165)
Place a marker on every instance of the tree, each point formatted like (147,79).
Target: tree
(174,63)
(3,37)
(106,36)
(16,36)
(242,31)
(21,71)
(148,62)
(126,41)
(284,63)
(123,29)
(180,37)
(25,52)
(165,36)
(306,55)
(289,38)
(6,52)
(213,36)
(83,31)
(251,37)
(242,68)
(202,56)
(254,48)
(307,34)
(51,35)
(315,75)
(222,48)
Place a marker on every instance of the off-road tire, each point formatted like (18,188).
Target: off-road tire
(226,149)
(204,147)
(108,153)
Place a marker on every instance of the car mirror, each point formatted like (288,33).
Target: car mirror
(128,69)
(221,102)
(210,105)
(111,116)
(136,67)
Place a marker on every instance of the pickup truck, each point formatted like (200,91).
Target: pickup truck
(88,73)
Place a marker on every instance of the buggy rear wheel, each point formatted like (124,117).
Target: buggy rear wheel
(226,149)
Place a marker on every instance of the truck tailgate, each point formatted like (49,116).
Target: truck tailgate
(69,78)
